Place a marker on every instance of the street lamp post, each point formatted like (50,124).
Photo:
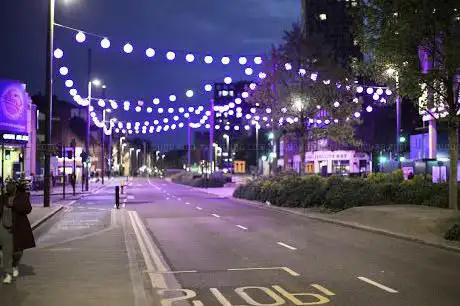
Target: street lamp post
(137,158)
(49,101)
(257,145)
(394,73)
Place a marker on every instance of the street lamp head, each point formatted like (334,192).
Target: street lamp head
(226,136)
(96,82)
(298,104)
(104,87)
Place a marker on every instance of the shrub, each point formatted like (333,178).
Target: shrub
(197,180)
(397,176)
(378,177)
(453,233)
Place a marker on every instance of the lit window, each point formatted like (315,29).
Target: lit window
(322,16)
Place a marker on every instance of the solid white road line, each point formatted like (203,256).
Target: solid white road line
(242,227)
(157,282)
(287,246)
(215,215)
(199,208)
(285,269)
(378,285)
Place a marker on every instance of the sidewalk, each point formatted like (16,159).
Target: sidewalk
(91,271)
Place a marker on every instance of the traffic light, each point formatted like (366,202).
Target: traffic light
(84,156)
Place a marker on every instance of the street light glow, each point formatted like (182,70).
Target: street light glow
(96,82)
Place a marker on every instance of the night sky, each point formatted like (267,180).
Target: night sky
(217,27)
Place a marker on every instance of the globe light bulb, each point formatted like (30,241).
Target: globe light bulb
(242,60)
(208,59)
(207,87)
(80,37)
(369,109)
(149,109)
(105,43)
(225,60)
(156,101)
(245,95)
(101,103)
(302,72)
(288,66)
(257,60)
(69,83)
(252,86)
(170,55)
(64,70)
(262,75)
(370,90)
(227,80)
(238,100)
(189,93)
(379,91)
(138,109)
(357,115)
(128,48)
(336,104)
(359,89)
(58,53)
(160,110)
(248,71)
(150,52)
(73,92)
(189,58)
(170,110)
(172,98)
(388,92)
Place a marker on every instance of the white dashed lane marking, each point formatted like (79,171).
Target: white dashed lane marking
(215,215)
(287,246)
(199,208)
(242,227)
(378,285)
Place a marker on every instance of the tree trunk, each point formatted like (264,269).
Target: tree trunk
(453,155)
(302,153)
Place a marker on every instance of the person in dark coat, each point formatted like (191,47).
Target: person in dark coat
(22,237)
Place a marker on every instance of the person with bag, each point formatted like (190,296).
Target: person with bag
(15,231)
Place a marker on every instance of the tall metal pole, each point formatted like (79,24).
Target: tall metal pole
(49,100)
(103,147)
(189,145)
(211,137)
(63,171)
(398,120)
(88,122)
(257,147)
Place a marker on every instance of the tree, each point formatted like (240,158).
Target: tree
(419,42)
(309,94)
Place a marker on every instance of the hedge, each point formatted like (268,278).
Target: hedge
(338,192)
(197,180)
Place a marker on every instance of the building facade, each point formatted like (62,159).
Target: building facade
(17,130)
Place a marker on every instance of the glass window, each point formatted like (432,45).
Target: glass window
(341,166)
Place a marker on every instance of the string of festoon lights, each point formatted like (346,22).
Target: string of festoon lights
(81,36)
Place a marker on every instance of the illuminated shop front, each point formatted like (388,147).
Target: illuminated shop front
(16,133)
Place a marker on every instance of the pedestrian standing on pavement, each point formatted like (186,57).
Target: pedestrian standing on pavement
(17,233)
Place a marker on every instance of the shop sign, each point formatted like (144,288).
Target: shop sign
(329,155)
(14,104)
(15,137)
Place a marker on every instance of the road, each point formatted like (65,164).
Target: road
(183,245)
(236,254)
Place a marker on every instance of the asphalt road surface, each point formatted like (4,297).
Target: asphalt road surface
(223,252)
(191,248)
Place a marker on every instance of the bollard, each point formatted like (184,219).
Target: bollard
(122,186)
(117,196)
